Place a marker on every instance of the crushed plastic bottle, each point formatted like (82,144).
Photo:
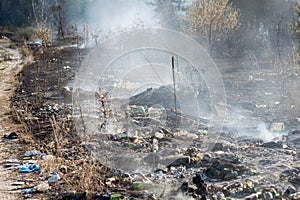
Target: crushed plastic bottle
(54,177)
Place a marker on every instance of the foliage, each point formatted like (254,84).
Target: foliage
(211,21)
(25,51)
(22,13)
(44,33)
(295,27)
(25,33)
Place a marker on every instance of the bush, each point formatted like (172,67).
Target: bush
(13,46)
(25,52)
(25,33)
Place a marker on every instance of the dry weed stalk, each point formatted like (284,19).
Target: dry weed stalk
(57,135)
(82,120)
(19,117)
(104,110)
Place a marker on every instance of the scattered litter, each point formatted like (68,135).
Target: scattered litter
(48,157)
(10,165)
(104,196)
(203,132)
(67,67)
(277,126)
(11,136)
(31,118)
(109,181)
(28,167)
(33,153)
(27,190)
(54,177)
(18,183)
(117,197)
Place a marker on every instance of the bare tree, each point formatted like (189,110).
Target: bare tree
(39,8)
(58,18)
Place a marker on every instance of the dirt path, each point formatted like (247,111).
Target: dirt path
(9,67)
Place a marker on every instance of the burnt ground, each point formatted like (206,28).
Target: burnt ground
(238,167)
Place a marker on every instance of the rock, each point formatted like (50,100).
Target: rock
(226,192)
(167,132)
(229,158)
(177,161)
(184,187)
(290,190)
(213,173)
(272,145)
(218,147)
(201,185)
(230,176)
(295,179)
(42,187)
(291,176)
(293,138)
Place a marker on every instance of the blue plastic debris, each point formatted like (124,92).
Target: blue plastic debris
(27,190)
(29,168)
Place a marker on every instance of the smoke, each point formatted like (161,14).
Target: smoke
(266,134)
(118,14)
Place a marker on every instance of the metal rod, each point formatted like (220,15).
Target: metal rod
(174,83)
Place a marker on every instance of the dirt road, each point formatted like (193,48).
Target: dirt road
(10,65)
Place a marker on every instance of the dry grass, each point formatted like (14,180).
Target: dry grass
(53,131)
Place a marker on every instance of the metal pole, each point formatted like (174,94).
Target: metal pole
(174,83)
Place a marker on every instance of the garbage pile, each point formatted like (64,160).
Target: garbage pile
(60,166)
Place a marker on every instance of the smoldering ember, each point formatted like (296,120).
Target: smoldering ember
(150,99)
